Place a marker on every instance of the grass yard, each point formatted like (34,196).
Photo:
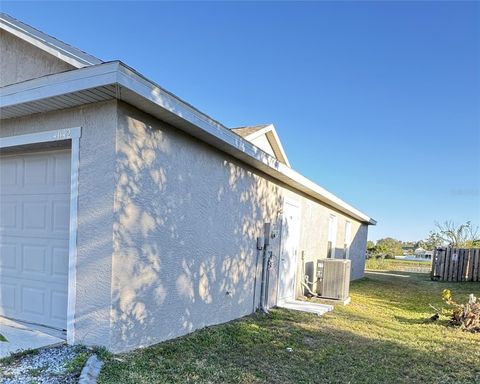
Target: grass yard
(381,337)
(398,265)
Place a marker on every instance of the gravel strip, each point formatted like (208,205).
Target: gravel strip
(46,366)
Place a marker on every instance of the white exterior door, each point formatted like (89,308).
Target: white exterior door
(34,236)
(288,258)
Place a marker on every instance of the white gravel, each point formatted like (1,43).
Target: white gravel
(45,366)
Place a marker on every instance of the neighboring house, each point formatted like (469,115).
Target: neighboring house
(420,252)
(423,253)
(429,254)
(129,217)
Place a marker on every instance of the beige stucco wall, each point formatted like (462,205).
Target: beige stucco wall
(95,209)
(20,61)
(186,221)
(314,238)
(167,225)
(184,217)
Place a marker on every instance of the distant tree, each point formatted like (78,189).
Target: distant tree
(420,244)
(433,241)
(370,249)
(388,247)
(464,235)
(408,247)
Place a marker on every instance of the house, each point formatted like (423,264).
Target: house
(421,253)
(429,254)
(129,217)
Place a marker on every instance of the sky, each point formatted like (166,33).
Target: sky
(378,102)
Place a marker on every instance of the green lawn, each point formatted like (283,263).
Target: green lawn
(381,337)
(398,265)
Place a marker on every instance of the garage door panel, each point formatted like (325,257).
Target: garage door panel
(33,300)
(8,259)
(58,306)
(62,171)
(35,216)
(34,233)
(59,263)
(8,176)
(44,172)
(34,258)
(36,171)
(60,210)
(8,298)
(8,214)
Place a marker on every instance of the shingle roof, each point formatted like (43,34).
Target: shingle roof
(248,130)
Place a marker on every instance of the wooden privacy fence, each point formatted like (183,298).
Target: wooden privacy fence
(456,264)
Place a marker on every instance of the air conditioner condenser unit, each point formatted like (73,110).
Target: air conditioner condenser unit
(333,279)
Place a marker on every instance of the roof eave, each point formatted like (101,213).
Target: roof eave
(135,89)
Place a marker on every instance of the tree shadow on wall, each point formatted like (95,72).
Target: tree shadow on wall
(185,228)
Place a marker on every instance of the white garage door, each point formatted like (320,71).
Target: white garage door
(34,232)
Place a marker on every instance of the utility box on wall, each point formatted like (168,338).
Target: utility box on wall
(333,279)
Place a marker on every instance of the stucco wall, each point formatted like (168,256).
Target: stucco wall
(314,238)
(185,219)
(358,250)
(20,61)
(95,209)
(186,223)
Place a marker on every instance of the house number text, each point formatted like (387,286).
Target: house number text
(63,134)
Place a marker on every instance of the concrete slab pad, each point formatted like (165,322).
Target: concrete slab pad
(346,301)
(20,338)
(305,306)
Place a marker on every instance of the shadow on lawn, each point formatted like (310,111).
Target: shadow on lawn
(410,321)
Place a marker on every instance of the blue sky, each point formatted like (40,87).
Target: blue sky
(379,102)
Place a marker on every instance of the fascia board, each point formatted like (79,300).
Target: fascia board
(192,120)
(59,84)
(157,95)
(278,144)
